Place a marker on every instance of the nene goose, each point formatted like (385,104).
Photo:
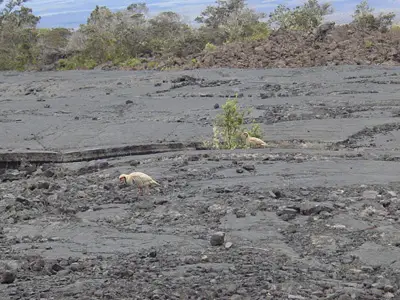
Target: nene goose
(253,141)
(140,179)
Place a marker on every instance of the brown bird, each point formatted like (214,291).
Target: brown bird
(140,179)
(253,141)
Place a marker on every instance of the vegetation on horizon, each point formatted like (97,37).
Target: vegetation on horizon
(130,38)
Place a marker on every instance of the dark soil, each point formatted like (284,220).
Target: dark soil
(313,216)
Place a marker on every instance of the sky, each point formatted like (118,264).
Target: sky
(71,13)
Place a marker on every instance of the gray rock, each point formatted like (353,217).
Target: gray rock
(312,208)
(7,277)
(217,239)
(228,245)
(370,195)
(240,214)
(249,168)
(76,267)
(43,185)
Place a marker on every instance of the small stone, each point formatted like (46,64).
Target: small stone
(57,267)
(287,217)
(215,208)
(339,205)
(370,195)
(217,239)
(63,272)
(81,194)
(189,260)
(344,297)
(75,267)
(239,171)
(23,201)
(240,214)
(228,245)
(153,253)
(216,106)
(392,193)
(272,194)
(48,173)
(7,277)
(134,163)
(388,296)
(161,201)
(309,208)
(305,193)
(287,210)
(297,297)
(367,269)
(43,185)
(204,258)
(128,102)
(388,288)
(249,167)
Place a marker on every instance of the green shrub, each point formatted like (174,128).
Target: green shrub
(74,63)
(229,126)
(364,18)
(368,44)
(210,47)
(131,63)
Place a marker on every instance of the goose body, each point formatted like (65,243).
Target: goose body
(253,141)
(141,180)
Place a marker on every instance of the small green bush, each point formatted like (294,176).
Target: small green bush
(368,44)
(229,126)
(74,63)
(131,63)
(210,47)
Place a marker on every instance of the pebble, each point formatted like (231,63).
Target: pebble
(297,297)
(228,245)
(309,208)
(388,296)
(43,185)
(75,267)
(217,239)
(249,168)
(370,195)
(215,208)
(240,214)
(7,277)
(204,258)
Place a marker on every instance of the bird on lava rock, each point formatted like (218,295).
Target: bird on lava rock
(253,141)
(140,179)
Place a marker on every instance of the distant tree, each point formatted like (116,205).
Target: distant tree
(21,18)
(305,17)
(17,35)
(231,20)
(363,17)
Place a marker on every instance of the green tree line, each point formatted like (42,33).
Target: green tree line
(132,38)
